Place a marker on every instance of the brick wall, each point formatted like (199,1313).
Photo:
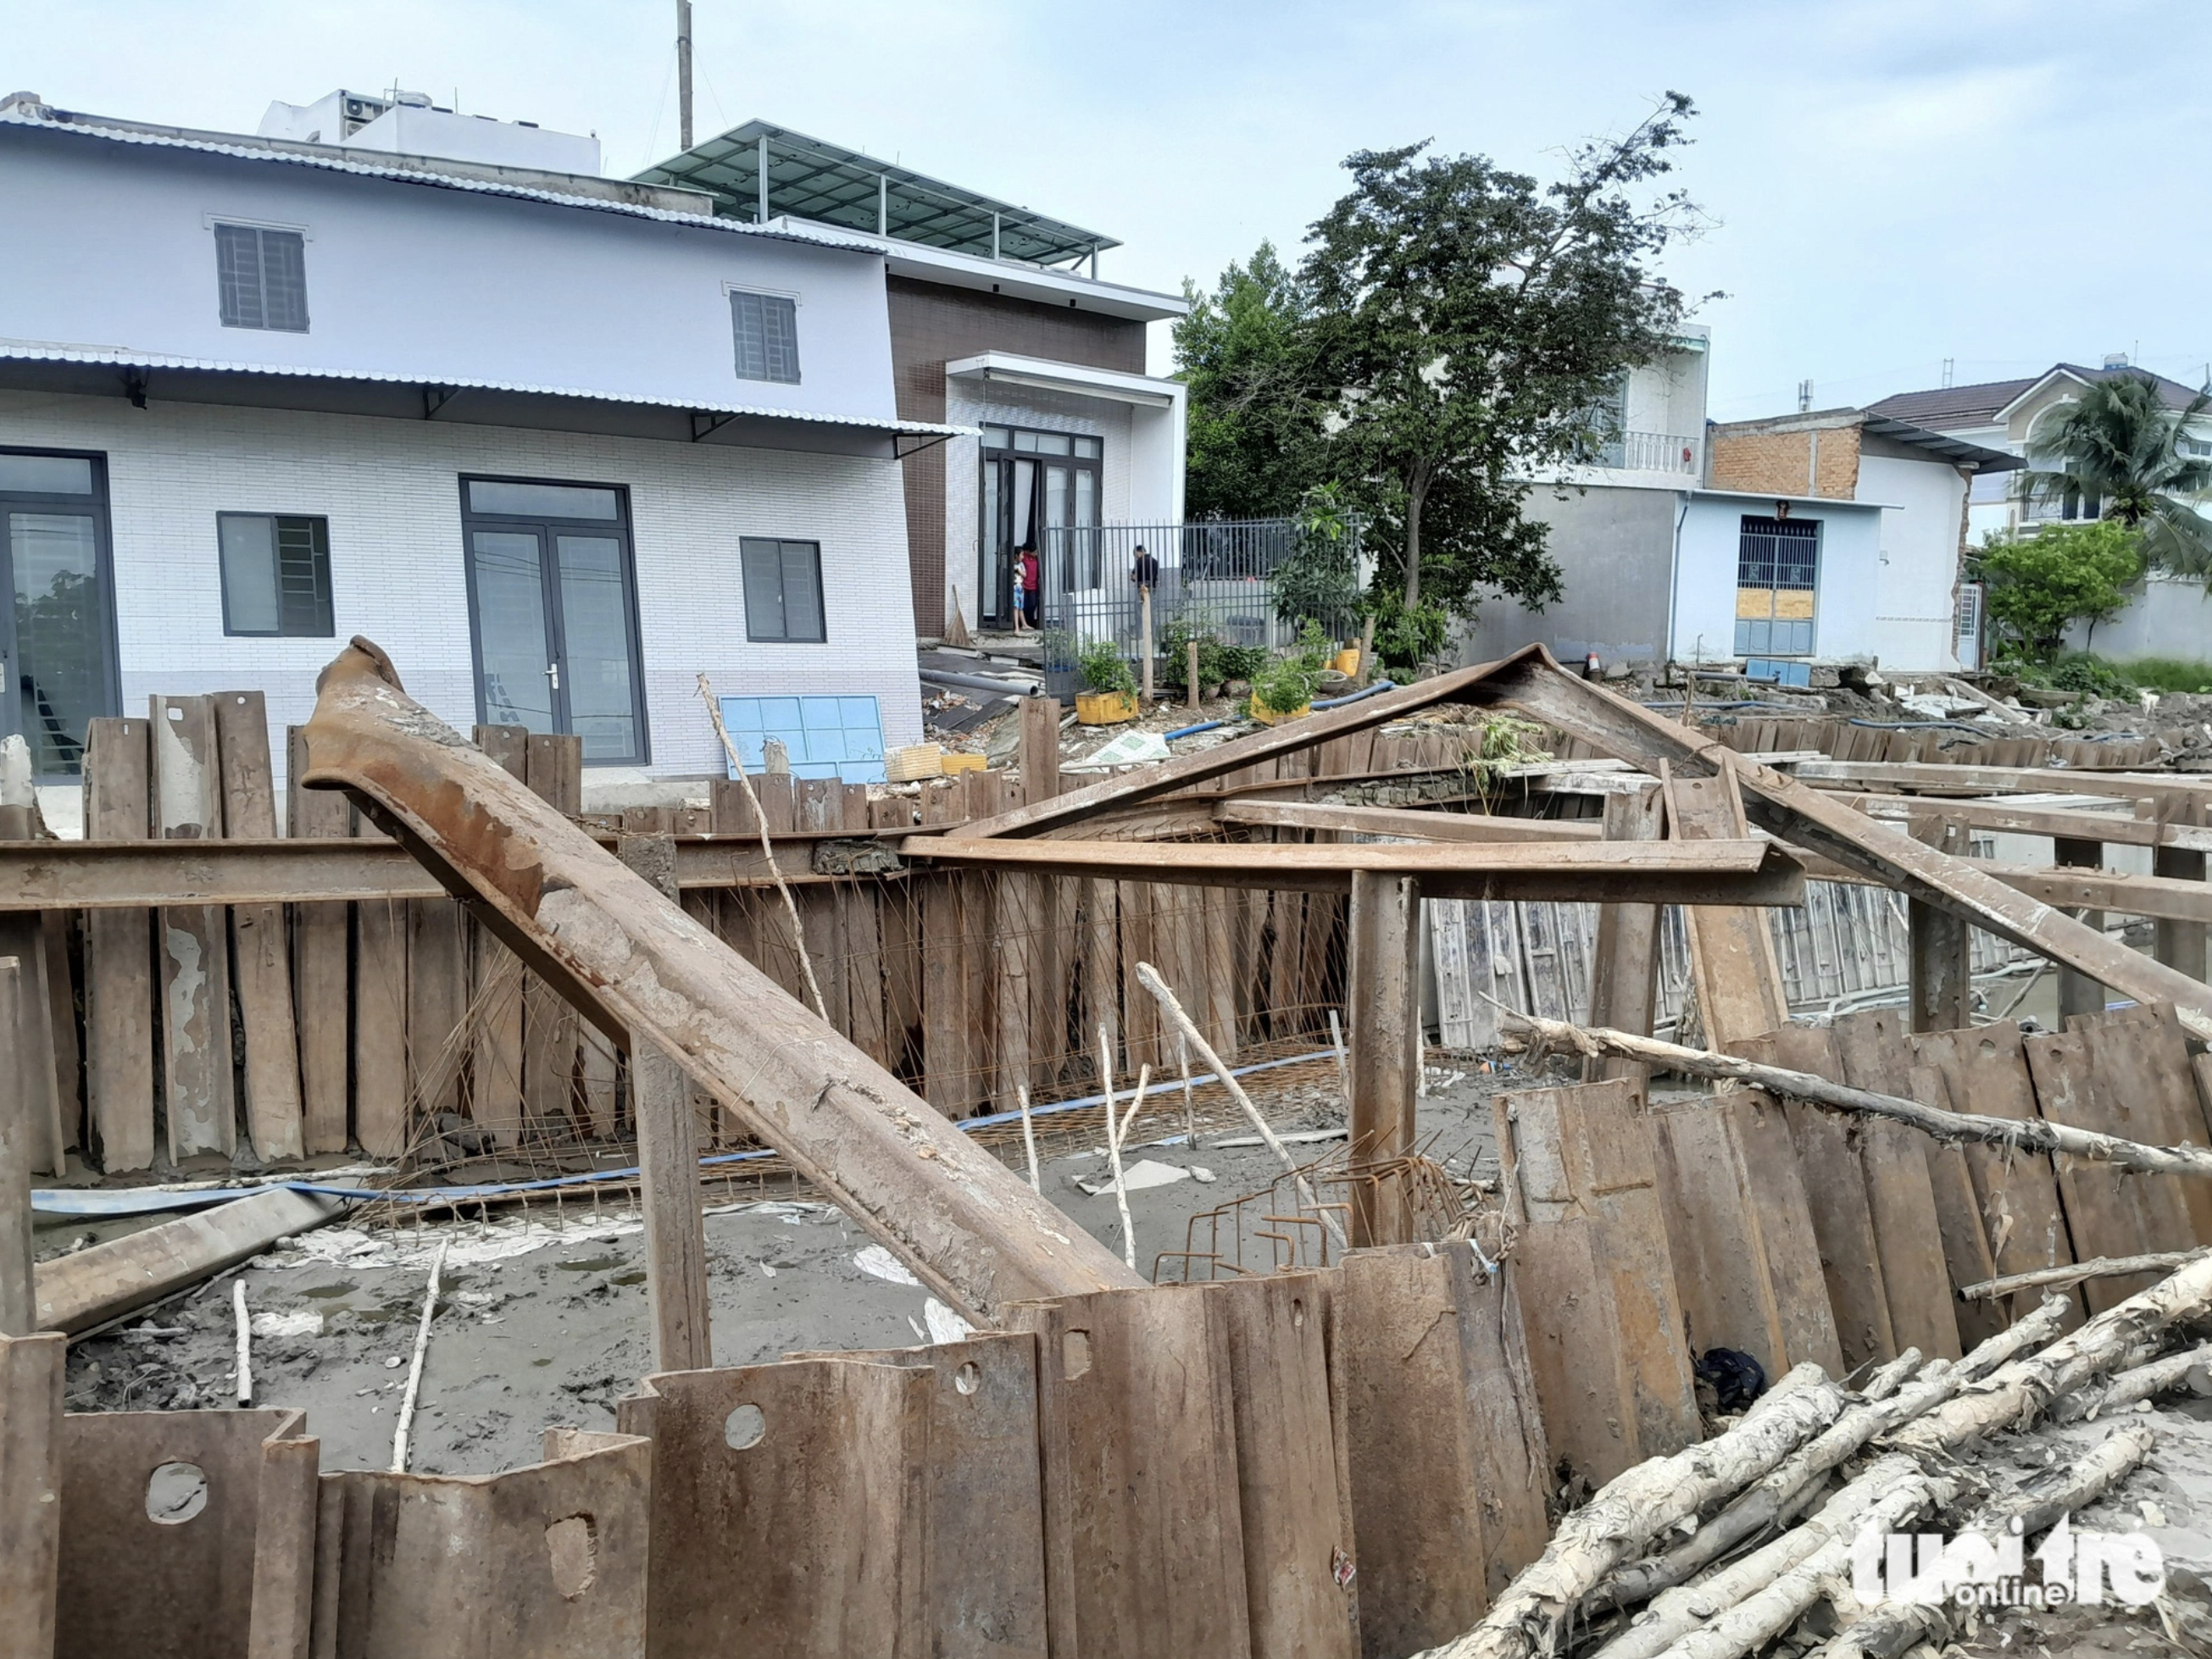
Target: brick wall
(391,491)
(1817,461)
(932,326)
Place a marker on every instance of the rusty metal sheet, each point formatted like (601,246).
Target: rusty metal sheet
(1712,1230)
(788,1503)
(547,1560)
(161,1518)
(970,1229)
(1144,1541)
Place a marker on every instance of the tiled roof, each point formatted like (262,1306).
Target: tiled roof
(1948,408)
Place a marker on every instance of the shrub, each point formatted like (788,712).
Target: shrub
(1217,660)
(1103,668)
(2065,574)
(2168,674)
(2085,670)
(1287,682)
(1405,639)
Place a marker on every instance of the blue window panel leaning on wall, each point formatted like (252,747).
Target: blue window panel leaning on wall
(840,738)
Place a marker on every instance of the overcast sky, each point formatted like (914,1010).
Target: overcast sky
(1890,184)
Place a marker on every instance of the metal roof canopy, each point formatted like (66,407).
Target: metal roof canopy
(1957,451)
(808,178)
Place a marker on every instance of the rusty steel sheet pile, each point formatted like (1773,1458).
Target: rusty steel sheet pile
(629,959)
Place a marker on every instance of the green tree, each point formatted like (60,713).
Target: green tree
(1466,322)
(2117,449)
(1254,428)
(2041,583)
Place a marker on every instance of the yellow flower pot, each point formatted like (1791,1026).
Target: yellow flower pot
(1105,707)
(1268,716)
(1347,661)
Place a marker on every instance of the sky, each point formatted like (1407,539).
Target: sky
(1887,187)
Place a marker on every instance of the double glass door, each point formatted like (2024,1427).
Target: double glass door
(1041,490)
(552,595)
(57,638)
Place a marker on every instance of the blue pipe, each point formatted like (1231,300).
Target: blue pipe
(1192,730)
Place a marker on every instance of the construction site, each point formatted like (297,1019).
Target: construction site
(1492,1168)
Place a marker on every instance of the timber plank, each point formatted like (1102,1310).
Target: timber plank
(2016,1194)
(321,964)
(261,948)
(1966,1252)
(379,1028)
(1295,1512)
(818,1494)
(948,1066)
(1713,1233)
(2142,1061)
(496,1064)
(1144,1542)
(31,1440)
(551,1031)
(1834,1184)
(194,946)
(1788,1242)
(1738,980)
(118,974)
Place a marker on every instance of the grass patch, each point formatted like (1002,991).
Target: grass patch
(2168,674)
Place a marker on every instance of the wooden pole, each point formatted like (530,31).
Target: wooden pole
(2077,993)
(21,1142)
(1624,965)
(1383,999)
(1938,960)
(1190,673)
(668,1161)
(2180,944)
(1144,642)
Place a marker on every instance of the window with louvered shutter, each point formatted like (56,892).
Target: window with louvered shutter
(261,277)
(766,329)
(783,591)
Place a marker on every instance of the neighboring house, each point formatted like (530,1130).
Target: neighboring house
(1832,536)
(559,443)
(1924,615)
(2171,618)
(999,322)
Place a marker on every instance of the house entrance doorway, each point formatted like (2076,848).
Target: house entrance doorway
(1040,490)
(553,607)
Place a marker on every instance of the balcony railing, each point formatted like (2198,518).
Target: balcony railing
(1650,452)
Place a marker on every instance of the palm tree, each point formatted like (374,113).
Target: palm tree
(2119,445)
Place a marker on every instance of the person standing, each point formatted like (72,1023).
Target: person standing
(1029,602)
(1146,571)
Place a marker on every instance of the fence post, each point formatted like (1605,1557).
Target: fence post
(1145,639)
(1190,673)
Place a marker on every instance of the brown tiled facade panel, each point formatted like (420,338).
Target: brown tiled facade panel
(1787,463)
(932,326)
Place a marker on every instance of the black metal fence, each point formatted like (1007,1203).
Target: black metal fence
(1214,578)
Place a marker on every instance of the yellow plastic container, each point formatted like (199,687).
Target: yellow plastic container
(955,762)
(1105,707)
(1347,661)
(1268,716)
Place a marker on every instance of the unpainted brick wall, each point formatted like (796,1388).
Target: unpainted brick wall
(1788,462)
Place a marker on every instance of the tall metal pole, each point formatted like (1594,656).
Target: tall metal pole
(684,70)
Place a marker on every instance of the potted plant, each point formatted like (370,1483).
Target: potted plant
(1283,690)
(1110,694)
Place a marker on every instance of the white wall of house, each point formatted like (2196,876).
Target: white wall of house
(423,283)
(2171,618)
(391,491)
(1916,593)
(1844,624)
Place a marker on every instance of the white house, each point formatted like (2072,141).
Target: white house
(1833,537)
(2170,618)
(559,443)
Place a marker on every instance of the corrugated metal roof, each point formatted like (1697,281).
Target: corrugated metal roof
(326,159)
(34,351)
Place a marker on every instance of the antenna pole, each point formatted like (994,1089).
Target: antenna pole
(684,71)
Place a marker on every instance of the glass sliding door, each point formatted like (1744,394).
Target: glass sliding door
(553,610)
(58,638)
(1039,490)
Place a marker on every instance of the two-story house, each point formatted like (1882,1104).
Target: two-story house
(559,443)
(2170,617)
(1000,325)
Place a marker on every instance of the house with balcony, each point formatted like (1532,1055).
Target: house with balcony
(1002,327)
(2171,618)
(1831,537)
(559,443)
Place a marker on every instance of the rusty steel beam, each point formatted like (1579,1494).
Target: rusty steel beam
(1822,823)
(1748,872)
(971,1230)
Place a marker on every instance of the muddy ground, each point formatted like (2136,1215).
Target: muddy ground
(544,1320)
